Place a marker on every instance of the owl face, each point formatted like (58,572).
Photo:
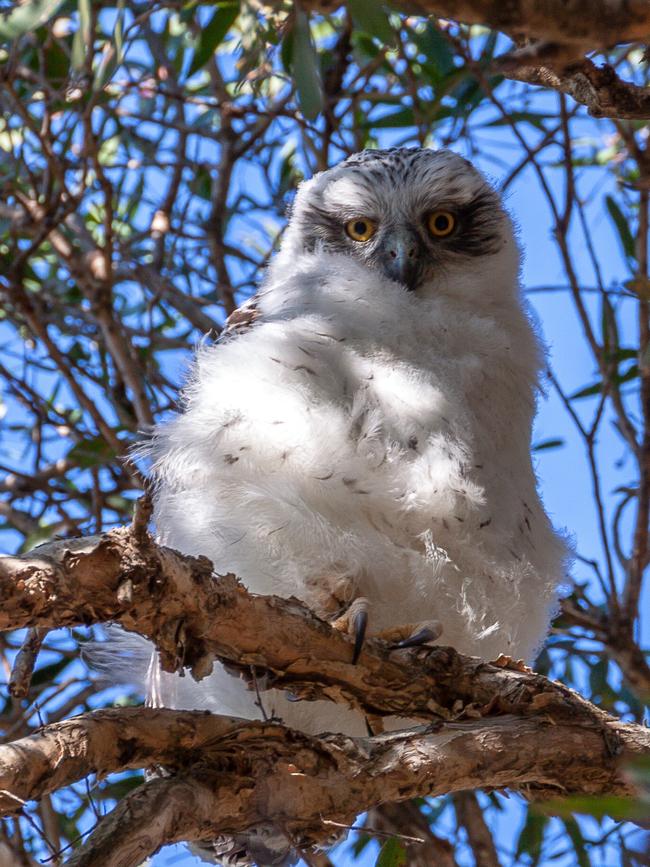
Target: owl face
(411,213)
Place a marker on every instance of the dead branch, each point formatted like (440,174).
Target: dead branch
(25,661)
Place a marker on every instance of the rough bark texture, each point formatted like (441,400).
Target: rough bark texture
(193,616)
(245,773)
(490,724)
(599,88)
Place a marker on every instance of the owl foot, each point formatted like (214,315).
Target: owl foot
(355,622)
(411,634)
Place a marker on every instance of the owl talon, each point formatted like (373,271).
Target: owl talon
(411,634)
(360,624)
(422,636)
(355,621)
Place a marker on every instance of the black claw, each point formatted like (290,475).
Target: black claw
(360,625)
(422,636)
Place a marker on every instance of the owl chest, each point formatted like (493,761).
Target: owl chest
(406,405)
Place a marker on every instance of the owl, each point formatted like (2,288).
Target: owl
(359,435)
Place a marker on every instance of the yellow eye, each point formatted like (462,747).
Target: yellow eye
(361,228)
(441,223)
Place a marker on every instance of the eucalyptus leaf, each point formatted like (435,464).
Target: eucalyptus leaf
(304,63)
(622,227)
(372,19)
(213,34)
(392,854)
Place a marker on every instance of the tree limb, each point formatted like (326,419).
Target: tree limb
(194,616)
(245,773)
(406,818)
(597,87)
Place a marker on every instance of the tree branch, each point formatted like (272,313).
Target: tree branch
(406,818)
(597,87)
(194,616)
(242,773)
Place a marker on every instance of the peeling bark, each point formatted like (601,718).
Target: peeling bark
(586,24)
(194,616)
(490,724)
(243,773)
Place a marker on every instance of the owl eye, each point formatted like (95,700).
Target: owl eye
(441,223)
(361,228)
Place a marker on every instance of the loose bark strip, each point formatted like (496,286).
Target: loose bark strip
(193,616)
(21,675)
(243,773)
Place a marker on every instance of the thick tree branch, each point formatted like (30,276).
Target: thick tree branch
(246,773)
(493,725)
(193,616)
(585,24)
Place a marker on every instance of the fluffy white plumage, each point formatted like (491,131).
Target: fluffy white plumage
(357,429)
(362,428)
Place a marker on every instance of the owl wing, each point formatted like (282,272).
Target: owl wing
(241,320)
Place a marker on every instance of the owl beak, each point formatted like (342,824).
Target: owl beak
(402,258)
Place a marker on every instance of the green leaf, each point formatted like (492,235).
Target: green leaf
(435,47)
(392,854)
(91,453)
(27,17)
(531,837)
(118,789)
(574,832)
(56,64)
(600,807)
(286,51)
(401,117)
(535,118)
(622,226)
(631,373)
(108,149)
(304,63)
(213,34)
(370,17)
(81,38)
(46,674)
(360,844)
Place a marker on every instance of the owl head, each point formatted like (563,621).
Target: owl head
(421,217)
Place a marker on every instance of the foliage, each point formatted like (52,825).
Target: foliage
(149,151)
